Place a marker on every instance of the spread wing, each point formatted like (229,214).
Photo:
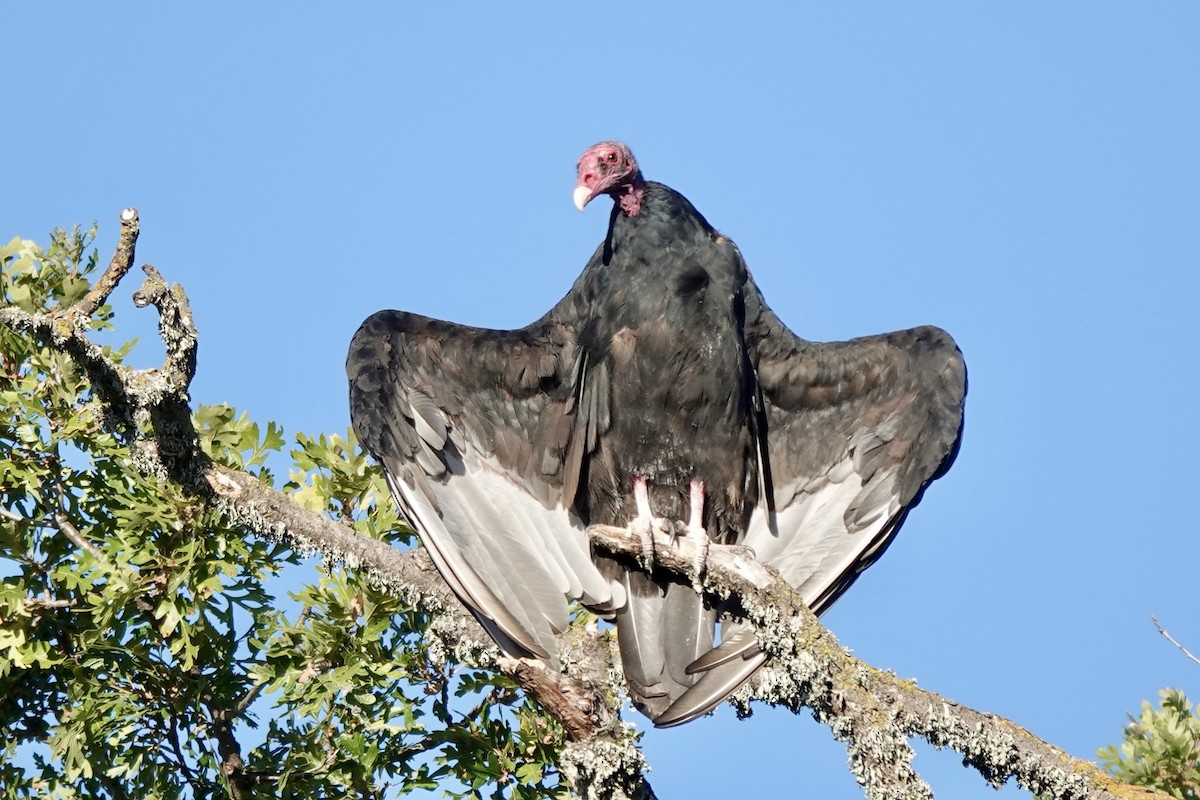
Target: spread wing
(853,434)
(476,432)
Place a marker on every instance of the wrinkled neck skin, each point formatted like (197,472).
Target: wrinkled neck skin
(629,195)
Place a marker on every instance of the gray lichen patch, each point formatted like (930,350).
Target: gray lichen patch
(601,769)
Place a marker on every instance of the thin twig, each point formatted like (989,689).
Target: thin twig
(77,538)
(1171,639)
(50,602)
(189,774)
(256,689)
(14,517)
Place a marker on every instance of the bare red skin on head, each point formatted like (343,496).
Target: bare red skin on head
(610,168)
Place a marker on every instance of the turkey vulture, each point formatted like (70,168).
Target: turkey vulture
(661,386)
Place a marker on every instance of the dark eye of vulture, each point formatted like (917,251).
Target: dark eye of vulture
(661,386)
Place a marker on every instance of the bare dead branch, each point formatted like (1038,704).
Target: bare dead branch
(603,762)
(66,332)
(1171,639)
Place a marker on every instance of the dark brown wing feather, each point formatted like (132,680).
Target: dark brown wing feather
(477,432)
(855,431)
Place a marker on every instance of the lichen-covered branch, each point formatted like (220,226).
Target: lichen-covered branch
(151,410)
(873,711)
(121,262)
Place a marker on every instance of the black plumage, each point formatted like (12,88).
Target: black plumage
(662,367)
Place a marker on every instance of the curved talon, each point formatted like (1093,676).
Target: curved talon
(742,550)
(646,535)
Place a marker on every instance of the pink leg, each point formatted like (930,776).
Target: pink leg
(696,521)
(645,519)
(641,495)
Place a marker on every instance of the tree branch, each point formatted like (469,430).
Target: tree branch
(233,767)
(151,410)
(12,516)
(120,263)
(77,538)
(873,712)
(1172,640)
(255,690)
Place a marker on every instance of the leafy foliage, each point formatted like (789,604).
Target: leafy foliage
(149,648)
(1161,748)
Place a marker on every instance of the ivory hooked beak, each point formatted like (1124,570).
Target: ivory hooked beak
(581,196)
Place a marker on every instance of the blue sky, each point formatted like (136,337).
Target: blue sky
(1025,175)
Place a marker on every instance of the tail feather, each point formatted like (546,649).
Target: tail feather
(737,642)
(661,631)
(712,686)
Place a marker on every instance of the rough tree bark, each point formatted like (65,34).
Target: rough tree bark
(872,711)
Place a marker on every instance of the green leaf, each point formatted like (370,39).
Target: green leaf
(170,616)
(74,288)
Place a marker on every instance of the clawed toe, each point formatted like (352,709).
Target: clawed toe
(644,531)
(700,540)
(742,551)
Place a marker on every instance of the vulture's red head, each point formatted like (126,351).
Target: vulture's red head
(609,168)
